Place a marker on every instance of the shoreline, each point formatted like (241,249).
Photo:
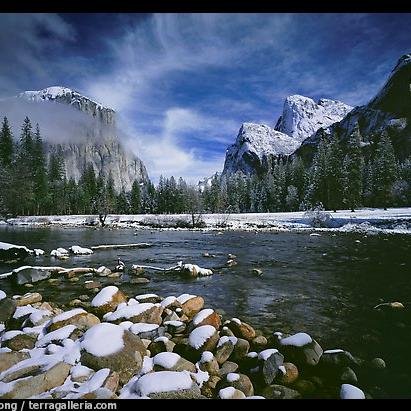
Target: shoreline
(368,221)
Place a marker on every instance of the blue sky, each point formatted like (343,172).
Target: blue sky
(183,83)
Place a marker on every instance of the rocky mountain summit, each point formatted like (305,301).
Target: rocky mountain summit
(84,130)
(389,111)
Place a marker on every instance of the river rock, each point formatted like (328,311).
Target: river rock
(305,387)
(271,360)
(259,343)
(112,381)
(227,367)
(348,376)
(207,317)
(169,361)
(148,298)
(80,373)
(8,359)
(99,394)
(161,344)
(377,364)
(139,280)
(225,348)
(208,363)
(337,359)
(92,284)
(28,298)
(137,313)
(11,253)
(191,305)
(78,317)
(21,371)
(203,338)
(231,393)
(167,385)
(257,272)
(28,274)
(7,308)
(208,389)
(238,381)
(103,271)
(30,387)
(301,349)
(290,375)
(350,392)
(241,329)
(275,391)
(110,346)
(107,300)
(174,326)
(20,342)
(241,349)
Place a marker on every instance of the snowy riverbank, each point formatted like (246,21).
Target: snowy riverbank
(393,220)
(111,346)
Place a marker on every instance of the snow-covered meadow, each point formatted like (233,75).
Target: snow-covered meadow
(370,220)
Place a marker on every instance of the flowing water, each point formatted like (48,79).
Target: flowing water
(324,285)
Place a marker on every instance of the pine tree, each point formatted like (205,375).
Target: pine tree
(6,144)
(39,172)
(352,171)
(384,170)
(55,177)
(23,178)
(135,198)
(334,174)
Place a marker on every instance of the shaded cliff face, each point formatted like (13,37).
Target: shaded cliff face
(389,110)
(85,130)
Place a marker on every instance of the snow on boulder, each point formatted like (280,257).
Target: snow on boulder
(190,304)
(203,338)
(297,340)
(194,270)
(33,274)
(271,361)
(241,329)
(301,349)
(170,302)
(136,313)
(2,295)
(351,392)
(169,361)
(147,331)
(148,298)
(225,348)
(103,271)
(78,317)
(107,300)
(231,393)
(56,336)
(59,253)
(12,252)
(77,250)
(167,385)
(38,252)
(207,317)
(110,346)
(33,386)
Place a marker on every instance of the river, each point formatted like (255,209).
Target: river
(324,285)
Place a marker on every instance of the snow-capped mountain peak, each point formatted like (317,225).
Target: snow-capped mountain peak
(302,116)
(254,143)
(71,97)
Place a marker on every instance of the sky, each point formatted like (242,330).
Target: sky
(182,84)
